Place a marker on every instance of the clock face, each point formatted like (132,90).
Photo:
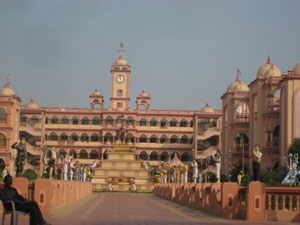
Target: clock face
(120,78)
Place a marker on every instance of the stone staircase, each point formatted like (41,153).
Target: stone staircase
(121,168)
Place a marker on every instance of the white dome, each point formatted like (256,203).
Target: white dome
(32,105)
(297,69)
(121,61)
(264,70)
(207,109)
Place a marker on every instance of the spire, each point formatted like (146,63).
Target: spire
(7,84)
(121,49)
(238,74)
(269,59)
(31,100)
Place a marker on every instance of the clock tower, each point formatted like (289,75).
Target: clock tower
(120,74)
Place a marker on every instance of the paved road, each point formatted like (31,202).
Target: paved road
(133,209)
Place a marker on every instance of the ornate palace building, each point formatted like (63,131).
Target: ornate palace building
(266,112)
(88,133)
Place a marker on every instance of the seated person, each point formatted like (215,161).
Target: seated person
(22,204)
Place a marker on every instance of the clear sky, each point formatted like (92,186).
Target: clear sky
(183,53)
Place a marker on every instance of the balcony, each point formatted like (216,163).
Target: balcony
(164,145)
(74,143)
(242,118)
(275,108)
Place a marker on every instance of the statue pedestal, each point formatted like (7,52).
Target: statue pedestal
(121,168)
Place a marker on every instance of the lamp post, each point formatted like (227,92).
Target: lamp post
(243,150)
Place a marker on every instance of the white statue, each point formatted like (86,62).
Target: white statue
(291,177)
(66,163)
(217,159)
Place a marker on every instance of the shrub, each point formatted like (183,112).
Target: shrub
(30,175)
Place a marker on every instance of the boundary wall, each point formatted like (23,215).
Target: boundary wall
(228,200)
(52,194)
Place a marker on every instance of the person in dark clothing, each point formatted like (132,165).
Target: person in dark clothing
(9,193)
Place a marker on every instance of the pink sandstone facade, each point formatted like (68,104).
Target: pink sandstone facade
(88,133)
(266,112)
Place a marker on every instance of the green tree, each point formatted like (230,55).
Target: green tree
(237,168)
(295,148)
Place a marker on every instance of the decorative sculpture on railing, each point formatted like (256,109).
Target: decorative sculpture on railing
(291,177)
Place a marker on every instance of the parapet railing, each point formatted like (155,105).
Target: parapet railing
(228,200)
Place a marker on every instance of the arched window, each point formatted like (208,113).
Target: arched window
(23,118)
(143,138)
(173,123)
(85,120)
(109,120)
(153,138)
(96,120)
(185,157)
(192,123)
(53,136)
(183,123)
(143,155)
(203,125)
(2,140)
(184,139)
(33,120)
(214,123)
(173,155)
(3,114)
(163,122)
(143,122)
(130,138)
(64,137)
(62,153)
(83,154)
(174,139)
(130,121)
(108,137)
(84,137)
(164,139)
(154,156)
(65,120)
(54,120)
(164,156)
(74,137)
(153,122)
(73,153)
(46,120)
(94,154)
(95,137)
(276,136)
(119,119)
(75,120)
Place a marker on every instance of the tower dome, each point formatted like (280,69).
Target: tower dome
(297,69)
(238,84)
(144,94)
(207,109)
(96,93)
(268,69)
(7,90)
(120,61)
(32,104)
